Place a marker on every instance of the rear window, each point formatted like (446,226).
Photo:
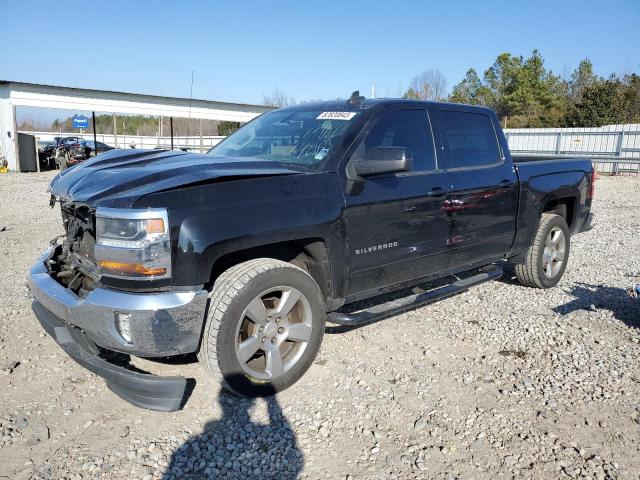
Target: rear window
(470,138)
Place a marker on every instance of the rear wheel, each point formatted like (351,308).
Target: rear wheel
(264,327)
(547,257)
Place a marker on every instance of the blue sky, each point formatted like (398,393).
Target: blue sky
(322,49)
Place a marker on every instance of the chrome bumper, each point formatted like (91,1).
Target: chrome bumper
(166,323)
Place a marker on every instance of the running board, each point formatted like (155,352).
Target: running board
(400,305)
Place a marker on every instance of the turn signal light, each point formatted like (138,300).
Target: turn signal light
(136,269)
(155,225)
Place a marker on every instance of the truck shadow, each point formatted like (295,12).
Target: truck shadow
(614,299)
(235,447)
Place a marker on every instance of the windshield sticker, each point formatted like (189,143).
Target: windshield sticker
(321,154)
(336,115)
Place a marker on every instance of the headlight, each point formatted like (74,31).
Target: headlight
(133,244)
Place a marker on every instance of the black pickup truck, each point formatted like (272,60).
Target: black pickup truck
(240,255)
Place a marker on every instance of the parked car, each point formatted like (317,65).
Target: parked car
(46,149)
(73,150)
(69,152)
(96,148)
(242,254)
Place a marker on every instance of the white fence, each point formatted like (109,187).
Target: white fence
(191,143)
(613,148)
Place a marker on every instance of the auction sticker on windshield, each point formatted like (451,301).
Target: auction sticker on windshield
(336,115)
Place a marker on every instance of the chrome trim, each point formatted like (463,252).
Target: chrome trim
(133,214)
(165,323)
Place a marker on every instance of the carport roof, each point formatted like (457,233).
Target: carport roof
(147,97)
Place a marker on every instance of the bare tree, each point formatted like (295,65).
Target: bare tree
(429,85)
(278,99)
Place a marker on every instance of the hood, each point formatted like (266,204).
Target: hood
(119,177)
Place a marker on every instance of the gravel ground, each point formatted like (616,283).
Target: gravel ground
(500,382)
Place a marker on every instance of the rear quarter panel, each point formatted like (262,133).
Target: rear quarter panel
(542,182)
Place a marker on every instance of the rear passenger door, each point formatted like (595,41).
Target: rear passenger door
(484,197)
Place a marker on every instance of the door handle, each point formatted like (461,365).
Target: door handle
(507,184)
(436,192)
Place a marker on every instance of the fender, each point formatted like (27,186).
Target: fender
(213,220)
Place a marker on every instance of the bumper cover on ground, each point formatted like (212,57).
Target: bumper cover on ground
(143,390)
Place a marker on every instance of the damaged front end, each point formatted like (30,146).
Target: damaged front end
(91,320)
(72,263)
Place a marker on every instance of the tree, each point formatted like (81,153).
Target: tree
(429,85)
(602,103)
(520,90)
(500,81)
(226,128)
(470,90)
(411,94)
(278,99)
(581,78)
(632,98)
(534,98)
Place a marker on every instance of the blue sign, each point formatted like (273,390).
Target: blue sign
(80,121)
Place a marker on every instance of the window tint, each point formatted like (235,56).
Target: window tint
(471,139)
(403,128)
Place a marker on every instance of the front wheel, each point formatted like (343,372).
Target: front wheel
(547,257)
(264,327)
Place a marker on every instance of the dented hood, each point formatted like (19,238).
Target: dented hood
(119,177)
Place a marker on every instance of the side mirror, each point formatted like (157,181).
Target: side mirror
(379,160)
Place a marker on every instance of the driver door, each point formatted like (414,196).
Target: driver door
(396,224)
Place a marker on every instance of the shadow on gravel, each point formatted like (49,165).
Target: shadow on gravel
(234,447)
(616,300)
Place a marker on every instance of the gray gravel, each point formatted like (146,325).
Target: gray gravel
(500,382)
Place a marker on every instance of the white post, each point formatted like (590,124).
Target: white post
(115,130)
(8,130)
(558,143)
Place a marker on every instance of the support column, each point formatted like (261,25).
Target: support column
(115,131)
(171,128)
(8,130)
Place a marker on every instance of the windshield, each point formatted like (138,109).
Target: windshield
(297,138)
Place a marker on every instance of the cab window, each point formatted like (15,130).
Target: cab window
(409,129)
(470,139)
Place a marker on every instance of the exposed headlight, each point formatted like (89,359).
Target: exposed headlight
(133,244)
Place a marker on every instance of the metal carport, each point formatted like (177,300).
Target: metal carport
(16,94)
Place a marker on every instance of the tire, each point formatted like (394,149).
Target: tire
(546,259)
(235,317)
(62,162)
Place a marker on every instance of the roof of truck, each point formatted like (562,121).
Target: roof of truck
(366,103)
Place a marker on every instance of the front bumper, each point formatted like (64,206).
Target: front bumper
(161,324)
(166,394)
(166,323)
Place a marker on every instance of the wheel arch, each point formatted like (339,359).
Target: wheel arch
(563,206)
(310,254)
